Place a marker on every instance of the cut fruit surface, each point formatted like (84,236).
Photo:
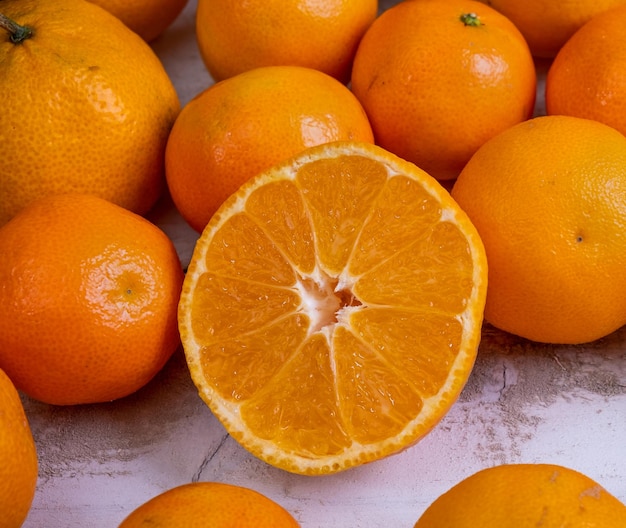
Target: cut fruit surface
(332,308)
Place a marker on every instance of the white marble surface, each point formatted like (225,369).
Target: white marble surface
(523,403)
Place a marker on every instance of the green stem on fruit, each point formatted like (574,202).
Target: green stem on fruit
(470,19)
(17,33)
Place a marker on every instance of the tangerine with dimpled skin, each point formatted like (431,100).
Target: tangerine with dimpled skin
(83,110)
(525,496)
(438,78)
(210,505)
(588,76)
(546,24)
(88,295)
(238,35)
(548,197)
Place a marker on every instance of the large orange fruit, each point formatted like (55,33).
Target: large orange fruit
(88,296)
(438,78)
(210,505)
(238,35)
(525,496)
(588,76)
(18,457)
(332,308)
(548,198)
(246,124)
(546,24)
(86,107)
(148,18)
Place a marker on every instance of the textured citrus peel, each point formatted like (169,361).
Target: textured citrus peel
(331,332)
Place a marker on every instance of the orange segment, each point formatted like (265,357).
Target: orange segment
(332,309)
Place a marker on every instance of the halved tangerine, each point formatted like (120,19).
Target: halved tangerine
(332,309)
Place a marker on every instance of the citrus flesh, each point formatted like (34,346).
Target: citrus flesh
(332,308)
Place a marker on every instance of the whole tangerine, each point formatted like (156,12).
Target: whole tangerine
(548,197)
(210,505)
(88,300)
(86,107)
(438,78)
(525,496)
(547,25)
(588,76)
(238,35)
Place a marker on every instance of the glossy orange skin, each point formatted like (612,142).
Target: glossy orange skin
(82,110)
(88,298)
(245,124)
(210,505)
(237,35)
(548,197)
(18,457)
(588,76)
(149,18)
(435,88)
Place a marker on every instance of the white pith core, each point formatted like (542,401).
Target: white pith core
(324,299)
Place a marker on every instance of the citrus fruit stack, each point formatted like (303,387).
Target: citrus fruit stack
(525,496)
(88,296)
(83,110)
(210,505)
(332,309)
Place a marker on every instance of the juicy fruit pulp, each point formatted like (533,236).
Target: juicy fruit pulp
(331,312)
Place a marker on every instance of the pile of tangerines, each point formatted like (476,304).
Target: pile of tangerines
(366,186)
